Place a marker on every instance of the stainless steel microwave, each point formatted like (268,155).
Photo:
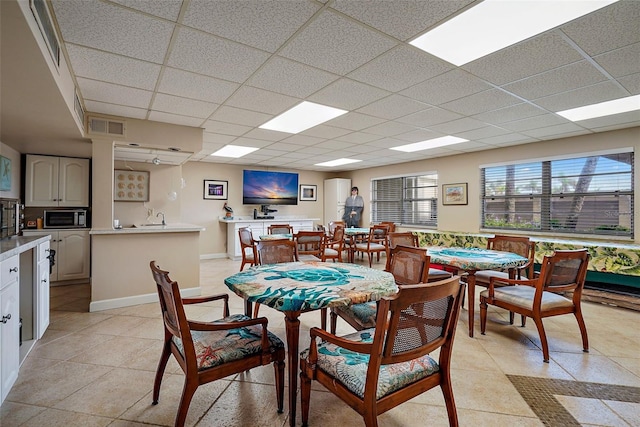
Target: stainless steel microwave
(65,218)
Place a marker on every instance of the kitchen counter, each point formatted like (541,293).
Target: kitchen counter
(275,220)
(18,244)
(148,228)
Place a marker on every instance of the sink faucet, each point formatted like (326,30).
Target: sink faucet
(161,213)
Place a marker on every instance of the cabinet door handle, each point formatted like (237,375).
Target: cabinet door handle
(13,270)
(44,280)
(5,318)
(47,250)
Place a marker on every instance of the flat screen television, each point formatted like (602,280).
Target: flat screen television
(269,188)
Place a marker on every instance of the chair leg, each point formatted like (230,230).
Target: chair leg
(523,320)
(256,309)
(323,319)
(305,394)
(278,367)
(583,330)
(511,315)
(162,364)
(543,339)
(189,389)
(483,315)
(370,258)
(334,322)
(447,392)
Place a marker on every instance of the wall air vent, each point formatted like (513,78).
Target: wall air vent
(43,18)
(100,126)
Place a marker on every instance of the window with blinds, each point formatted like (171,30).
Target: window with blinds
(583,195)
(409,200)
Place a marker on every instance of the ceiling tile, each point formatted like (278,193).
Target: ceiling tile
(252,142)
(225,128)
(324,131)
(446,87)
(217,138)
(265,24)
(565,129)
(290,78)
(254,99)
(600,92)
(112,68)
(392,107)
(336,44)
(358,137)
(429,117)
(511,113)
(480,102)
(621,62)
(562,79)
(196,86)
(509,138)
(267,134)
(115,110)
(417,135)
(159,116)
(183,106)
(348,94)
(628,119)
(457,126)
(593,32)
(240,116)
(354,121)
(390,128)
(401,19)
(482,133)
(113,29)
(631,83)
(212,56)
(168,9)
(535,122)
(285,148)
(400,68)
(305,140)
(114,94)
(524,59)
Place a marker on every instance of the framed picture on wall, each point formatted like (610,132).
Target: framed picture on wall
(5,174)
(130,186)
(308,193)
(454,194)
(215,190)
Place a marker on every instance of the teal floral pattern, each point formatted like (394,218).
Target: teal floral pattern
(304,286)
(618,258)
(350,368)
(214,348)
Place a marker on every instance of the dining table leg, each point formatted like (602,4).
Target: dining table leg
(471,294)
(292,326)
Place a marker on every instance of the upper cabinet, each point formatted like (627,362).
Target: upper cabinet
(56,181)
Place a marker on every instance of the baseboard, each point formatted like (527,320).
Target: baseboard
(136,300)
(212,256)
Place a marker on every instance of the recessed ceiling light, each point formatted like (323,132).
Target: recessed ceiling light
(495,24)
(338,162)
(617,106)
(431,143)
(234,151)
(302,117)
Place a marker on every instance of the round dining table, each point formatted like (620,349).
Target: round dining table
(297,287)
(471,260)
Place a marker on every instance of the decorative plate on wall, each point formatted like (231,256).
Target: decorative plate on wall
(130,186)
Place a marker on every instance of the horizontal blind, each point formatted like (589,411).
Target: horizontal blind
(410,200)
(586,195)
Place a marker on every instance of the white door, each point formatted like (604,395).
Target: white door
(10,336)
(41,181)
(43,297)
(72,258)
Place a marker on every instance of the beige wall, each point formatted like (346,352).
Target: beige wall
(466,168)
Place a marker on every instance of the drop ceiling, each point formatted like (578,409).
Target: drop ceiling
(230,66)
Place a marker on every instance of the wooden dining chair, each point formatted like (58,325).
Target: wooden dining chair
(377,369)
(275,252)
(334,245)
(390,224)
(309,244)
(409,266)
(280,229)
(208,351)
(377,241)
(332,226)
(407,238)
(564,271)
(248,247)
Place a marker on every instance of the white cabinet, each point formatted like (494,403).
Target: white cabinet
(258,228)
(56,181)
(42,288)
(9,324)
(72,260)
(336,191)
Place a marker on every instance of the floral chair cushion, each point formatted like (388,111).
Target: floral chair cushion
(215,348)
(350,368)
(364,313)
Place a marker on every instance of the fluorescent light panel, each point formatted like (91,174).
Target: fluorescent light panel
(234,151)
(338,162)
(430,143)
(302,117)
(608,108)
(495,24)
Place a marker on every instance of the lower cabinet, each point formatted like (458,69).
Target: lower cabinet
(72,253)
(42,289)
(259,227)
(9,324)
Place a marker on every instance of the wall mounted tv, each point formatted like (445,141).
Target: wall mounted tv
(269,188)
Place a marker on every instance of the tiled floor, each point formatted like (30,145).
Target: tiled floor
(97,369)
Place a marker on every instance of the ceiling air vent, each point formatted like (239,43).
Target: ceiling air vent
(100,126)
